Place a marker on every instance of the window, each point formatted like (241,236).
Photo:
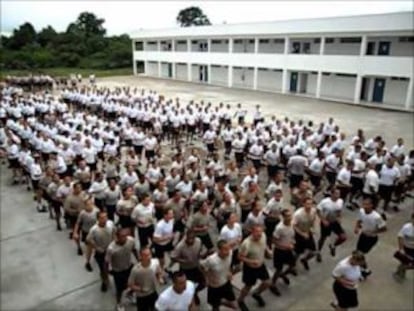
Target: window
(345,75)
(329,40)
(263,69)
(406,39)
(326,73)
(194,42)
(279,41)
(277,70)
(238,41)
(350,40)
(182,42)
(399,79)
(215,66)
(264,41)
(251,41)
(152,43)
(314,73)
(139,46)
(317,40)
(215,41)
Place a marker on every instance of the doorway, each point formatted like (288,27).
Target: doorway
(371,48)
(384,48)
(364,89)
(378,94)
(293,82)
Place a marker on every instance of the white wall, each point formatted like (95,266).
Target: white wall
(336,87)
(337,48)
(220,47)
(238,80)
(164,70)
(181,47)
(219,75)
(151,46)
(151,69)
(395,92)
(397,48)
(269,80)
(181,72)
(244,46)
(312,80)
(195,73)
(271,47)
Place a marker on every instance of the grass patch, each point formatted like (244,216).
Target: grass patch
(65,72)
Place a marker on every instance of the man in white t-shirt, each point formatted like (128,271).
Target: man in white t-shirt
(177,297)
(405,249)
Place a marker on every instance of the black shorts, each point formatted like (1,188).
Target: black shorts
(14,163)
(100,260)
(86,185)
(343,192)
(347,298)
(35,184)
(149,154)
(315,180)
(272,170)
(295,180)
(215,295)
(331,177)
(83,235)
(303,244)
(92,166)
(126,221)
(210,148)
(178,226)
(366,243)
(160,250)
(121,280)
(147,302)
(283,257)
(385,192)
(235,261)
(334,227)
(357,184)
(128,142)
(71,219)
(138,150)
(251,275)
(195,275)
(206,240)
(145,234)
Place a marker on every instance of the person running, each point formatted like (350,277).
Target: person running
(368,226)
(118,259)
(163,236)
(347,274)
(74,203)
(304,220)
(330,211)
(177,297)
(284,251)
(405,253)
(217,271)
(188,255)
(252,255)
(144,280)
(99,238)
(143,215)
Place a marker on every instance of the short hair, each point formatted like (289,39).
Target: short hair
(221,243)
(176,275)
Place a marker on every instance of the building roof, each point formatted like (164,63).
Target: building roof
(374,23)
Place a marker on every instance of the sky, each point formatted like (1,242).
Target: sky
(129,16)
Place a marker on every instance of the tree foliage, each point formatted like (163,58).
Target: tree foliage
(192,16)
(84,44)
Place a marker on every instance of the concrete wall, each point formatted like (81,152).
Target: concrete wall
(151,46)
(311,87)
(395,92)
(338,87)
(181,45)
(243,77)
(271,47)
(269,80)
(164,70)
(181,72)
(195,73)
(397,48)
(338,48)
(151,69)
(222,47)
(219,75)
(245,46)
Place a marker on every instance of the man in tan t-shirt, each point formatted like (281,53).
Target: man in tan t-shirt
(73,204)
(144,280)
(252,254)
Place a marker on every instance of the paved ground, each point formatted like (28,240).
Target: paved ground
(41,271)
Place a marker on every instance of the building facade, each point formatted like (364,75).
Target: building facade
(366,60)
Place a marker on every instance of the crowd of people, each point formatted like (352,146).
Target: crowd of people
(203,193)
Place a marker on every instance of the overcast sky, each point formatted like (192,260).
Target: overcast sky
(128,16)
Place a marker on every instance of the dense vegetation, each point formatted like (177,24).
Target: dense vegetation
(84,44)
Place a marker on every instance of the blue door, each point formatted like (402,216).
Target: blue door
(293,82)
(384,48)
(378,94)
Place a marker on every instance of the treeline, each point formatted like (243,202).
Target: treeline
(84,44)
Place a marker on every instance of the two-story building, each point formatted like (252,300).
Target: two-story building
(366,60)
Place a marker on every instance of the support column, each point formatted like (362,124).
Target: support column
(318,85)
(286,47)
(159,45)
(255,71)
(363,46)
(285,81)
(208,45)
(409,99)
(188,45)
(256,45)
(230,45)
(357,93)
(209,73)
(230,77)
(322,46)
(134,63)
(189,72)
(174,74)
(159,69)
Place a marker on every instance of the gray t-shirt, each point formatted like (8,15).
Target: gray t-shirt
(189,253)
(145,277)
(101,236)
(88,219)
(119,256)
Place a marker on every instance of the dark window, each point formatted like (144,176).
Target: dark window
(215,66)
(350,40)
(152,43)
(326,73)
(399,79)
(279,41)
(277,70)
(238,68)
(263,41)
(263,69)
(317,40)
(329,40)
(406,39)
(194,42)
(215,41)
(314,72)
(139,46)
(345,75)
(181,42)
(238,41)
(250,68)
(251,41)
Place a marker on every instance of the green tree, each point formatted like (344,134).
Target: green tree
(88,25)
(192,16)
(23,36)
(47,36)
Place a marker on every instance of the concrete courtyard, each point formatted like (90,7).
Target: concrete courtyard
(41,271)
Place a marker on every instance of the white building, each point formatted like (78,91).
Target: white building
(365,60)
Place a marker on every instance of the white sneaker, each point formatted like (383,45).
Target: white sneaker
(120,308)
